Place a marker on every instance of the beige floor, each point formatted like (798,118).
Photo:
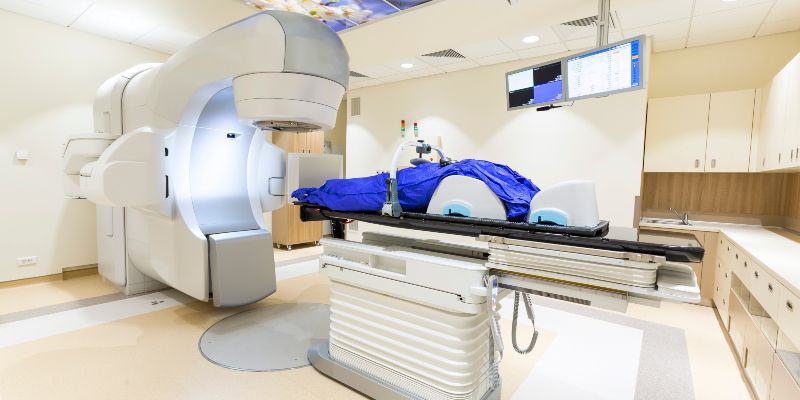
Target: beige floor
(41,294)
(715,372)
(155,356)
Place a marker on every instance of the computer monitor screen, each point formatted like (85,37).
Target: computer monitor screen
(611,69)
(537,85)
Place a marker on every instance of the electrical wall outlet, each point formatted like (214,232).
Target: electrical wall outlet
(22,261)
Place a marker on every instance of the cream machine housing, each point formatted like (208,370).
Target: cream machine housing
(179,164)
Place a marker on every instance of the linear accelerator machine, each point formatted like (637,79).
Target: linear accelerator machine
(179,166)
(181,173)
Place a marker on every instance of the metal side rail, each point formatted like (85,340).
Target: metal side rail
(476,227)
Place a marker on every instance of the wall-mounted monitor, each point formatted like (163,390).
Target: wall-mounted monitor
(612,69)
(539,85)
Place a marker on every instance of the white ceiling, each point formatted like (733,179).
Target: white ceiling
(484,31)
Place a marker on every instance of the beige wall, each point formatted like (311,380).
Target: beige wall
(49,75)
(743,64)
(597,139)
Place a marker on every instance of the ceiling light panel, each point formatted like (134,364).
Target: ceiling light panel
(731,19)
(166,40)
(670,44)
(786,25)
(653,12)
(459,66)
(703,7)
(725,35)
(59,12)
(123,27)
(784,10)
(483,49)
(663,31)
(497,59)
(546,37)
(541,51)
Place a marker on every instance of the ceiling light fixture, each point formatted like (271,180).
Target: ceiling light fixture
(406,65)
(530,39)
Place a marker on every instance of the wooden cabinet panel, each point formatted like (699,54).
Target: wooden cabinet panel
(287,228)
(738,325)
(675,139)
(730,127)
(758,365)
(773,123)
(315,142)
(783,386)
(792,116)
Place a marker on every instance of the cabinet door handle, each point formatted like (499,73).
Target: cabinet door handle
(779,158)
(726,274)
(713,163)
(769,287)
(755,273)
(789,305)
(745,264)
(737,256)
(697,163)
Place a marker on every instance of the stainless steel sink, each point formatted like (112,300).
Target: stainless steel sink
(665,221)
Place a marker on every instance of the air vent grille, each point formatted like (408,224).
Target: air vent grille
(448,53)
(582,27)
(588,21)
(355,74)
(355,106)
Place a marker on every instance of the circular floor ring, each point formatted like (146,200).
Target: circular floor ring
(268,338)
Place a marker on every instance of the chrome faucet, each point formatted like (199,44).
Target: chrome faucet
(684,218)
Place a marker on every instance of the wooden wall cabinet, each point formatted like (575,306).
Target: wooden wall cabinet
(700,133)
(676,130)
(779,125)
(287,228)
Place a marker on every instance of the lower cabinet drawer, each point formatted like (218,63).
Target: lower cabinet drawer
(783,386)
(788,318)
(758,361)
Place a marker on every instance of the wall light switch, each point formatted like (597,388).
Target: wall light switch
(22,155)
(22,261)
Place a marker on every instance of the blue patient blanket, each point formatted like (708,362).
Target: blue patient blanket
(416,186)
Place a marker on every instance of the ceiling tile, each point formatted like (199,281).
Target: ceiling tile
(546,37)
(663,31)
(784,9)
(424,72)
(459,66)
(165,39)
(725,35)
(415,62)
(395,78)
(542,51)
(59,12)
(731,19)
(653,12)
(702,7)
(497,59)
(669,44)
(375,71)
(483,49)
(786,25)
(580,44)
(123,27)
